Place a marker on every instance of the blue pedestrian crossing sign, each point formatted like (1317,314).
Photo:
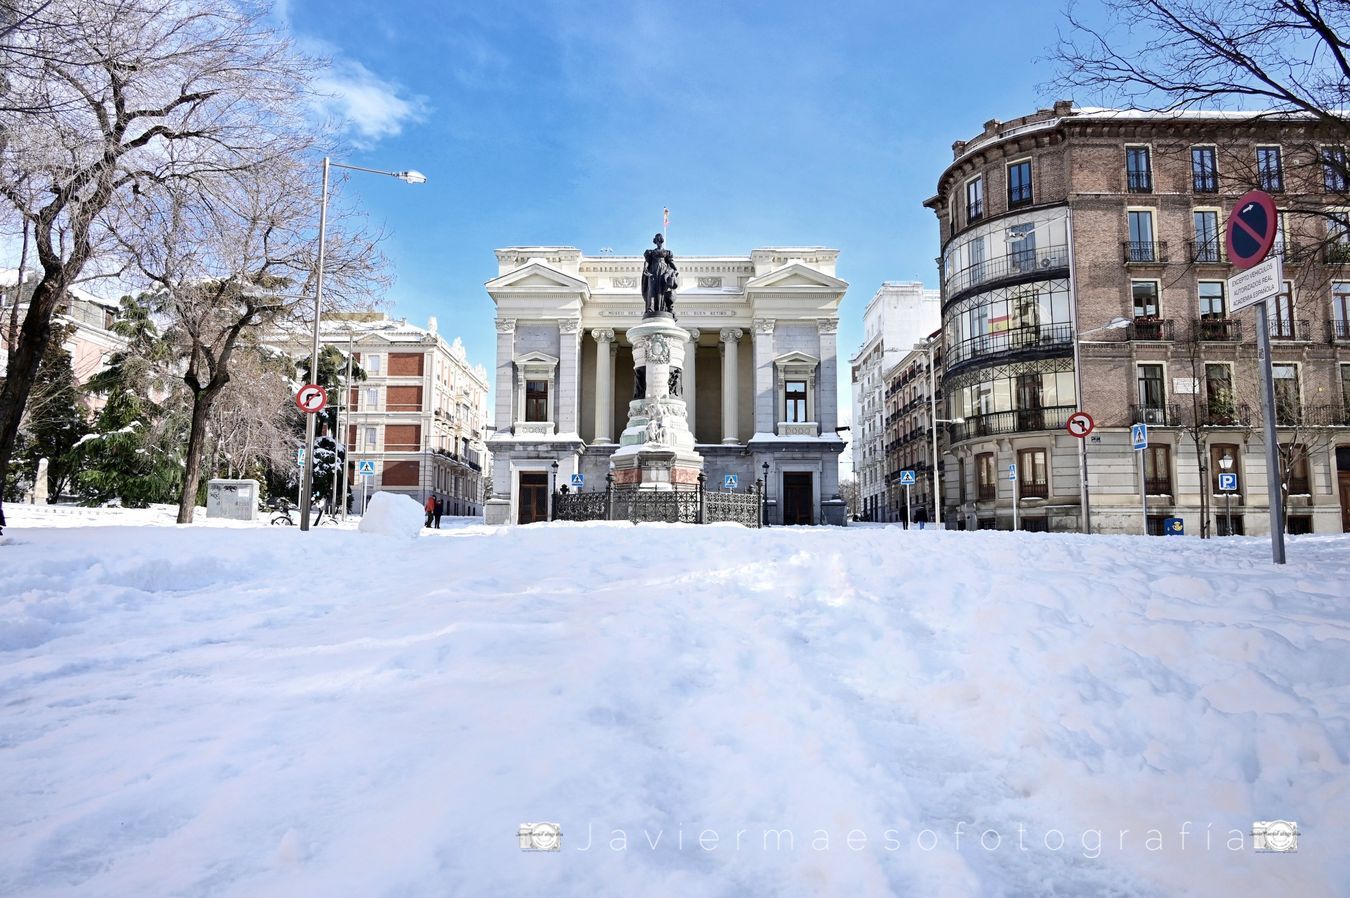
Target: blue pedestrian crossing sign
(300,456)
(1012,472)
(578,481)
(1228,483)
(1174,527)
(1139,436)
(365,468)
(907,477)
(730,481)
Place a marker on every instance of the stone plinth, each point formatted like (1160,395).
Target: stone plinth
(656,449)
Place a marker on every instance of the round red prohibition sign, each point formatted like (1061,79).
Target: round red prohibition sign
(1080,424)
(1252,229)
(311,398)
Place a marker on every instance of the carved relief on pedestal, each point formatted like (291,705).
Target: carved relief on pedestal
(506,325)
(765,325)
(827,325)
(658,350)
(569,325)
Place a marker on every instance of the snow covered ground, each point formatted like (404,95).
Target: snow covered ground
(253,711)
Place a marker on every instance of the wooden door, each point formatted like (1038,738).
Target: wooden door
(532,497)
(797,497)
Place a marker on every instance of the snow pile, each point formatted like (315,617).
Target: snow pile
(393,514)
(704,711)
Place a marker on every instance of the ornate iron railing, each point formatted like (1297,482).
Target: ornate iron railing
(668,506)
(739,508)
(682,506)
(581,506)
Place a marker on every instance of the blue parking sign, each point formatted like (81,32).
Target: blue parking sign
(1228,483)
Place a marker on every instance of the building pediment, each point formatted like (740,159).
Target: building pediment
(537,359)
(796,359)
(536,276)
(796,276)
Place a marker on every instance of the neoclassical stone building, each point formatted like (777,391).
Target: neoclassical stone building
(759,378)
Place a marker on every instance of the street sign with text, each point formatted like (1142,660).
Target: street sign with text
(1257,284)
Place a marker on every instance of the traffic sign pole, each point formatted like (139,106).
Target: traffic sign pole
(909,518)
(1143,488)
(1273,486)
(1012,475)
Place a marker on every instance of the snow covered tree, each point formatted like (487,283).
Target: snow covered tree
(55,419)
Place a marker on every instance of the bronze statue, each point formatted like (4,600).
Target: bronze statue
(660,280)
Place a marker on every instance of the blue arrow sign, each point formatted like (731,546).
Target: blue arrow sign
(907,477)
(1139,436)
(730,481)
(578,481)
(1012,472)
(365,468)
(1228,483)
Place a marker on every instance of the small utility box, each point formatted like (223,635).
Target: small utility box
(236,500)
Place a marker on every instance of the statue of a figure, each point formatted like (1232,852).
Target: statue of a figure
(640,382)
(660,280)
(674,386)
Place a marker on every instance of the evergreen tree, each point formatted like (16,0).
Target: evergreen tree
(53,422)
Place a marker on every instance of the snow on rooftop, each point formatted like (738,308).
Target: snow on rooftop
(704,711)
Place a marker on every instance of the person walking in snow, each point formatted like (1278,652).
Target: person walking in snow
(440,510)
(430,509)
(921,515)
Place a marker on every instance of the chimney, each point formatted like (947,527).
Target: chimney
(1063,108)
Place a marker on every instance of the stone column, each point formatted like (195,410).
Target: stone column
(730,383)
(604,384)
(505,406)
(690,382)
(766,402)
(827,403)
(569,373)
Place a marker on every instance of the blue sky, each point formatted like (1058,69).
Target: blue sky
(574,123)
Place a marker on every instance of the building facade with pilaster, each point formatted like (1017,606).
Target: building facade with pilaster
(759,378)
(1083,267)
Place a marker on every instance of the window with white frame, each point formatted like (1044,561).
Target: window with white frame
(796,392)
(372,364)
(372,398)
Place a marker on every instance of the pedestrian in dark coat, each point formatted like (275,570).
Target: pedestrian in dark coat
(430,509)
(440,510)
(921,515)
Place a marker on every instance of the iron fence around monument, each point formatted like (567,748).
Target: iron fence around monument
(680,506)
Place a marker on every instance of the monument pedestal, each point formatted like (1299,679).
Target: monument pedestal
(656,449)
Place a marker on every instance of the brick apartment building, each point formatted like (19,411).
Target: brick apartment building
(1058,225)
(908,442)
(420,414)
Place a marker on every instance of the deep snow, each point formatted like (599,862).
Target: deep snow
(256,711)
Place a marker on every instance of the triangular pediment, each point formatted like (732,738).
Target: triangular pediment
(536,358)
(796,358)
(536,276)
(797,276)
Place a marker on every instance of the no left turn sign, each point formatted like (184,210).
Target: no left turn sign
(311,399)
(1080,424)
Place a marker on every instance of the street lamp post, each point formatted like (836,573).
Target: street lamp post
(408,177)
(764,499)
(552,486)
(1226,465)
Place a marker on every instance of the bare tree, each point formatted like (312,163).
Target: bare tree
(235,259)
(251,423)
(108,101)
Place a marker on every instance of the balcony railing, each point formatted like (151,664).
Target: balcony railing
(1019,196)
(1015,421)
(1219,330)
(1158,415)
(1338,331)
(1336,253)
(1014,339)
(1151,329)
(1035,490)
(986,492)
(1326,416)
(1300,486)
(1139,181)
(1205,182)
(1011,265)
(1224,414)
(974,211)
(1287,329)
(1143,252)
(1158,486)
(1210,251)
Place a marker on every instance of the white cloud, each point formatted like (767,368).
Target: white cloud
(370,107)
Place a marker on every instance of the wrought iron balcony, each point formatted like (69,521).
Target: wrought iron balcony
(1017,264)
(1206,251)
(1017,339)
(1015,421)
(1338,331)
(1158,486)
(1158,415)
(1218,330)
(1224,414)
(1205,182)
(1287,329)
(986,492)
(1139,181)
(1336,253)
(1143,252)
(1326,416)
(1019,196)
(1151,329)
(1037,490)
